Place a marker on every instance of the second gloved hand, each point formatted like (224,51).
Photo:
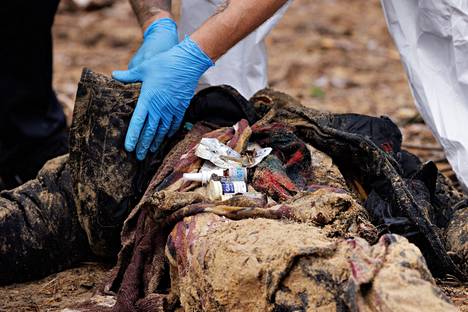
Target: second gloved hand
(159,37)
(168,81)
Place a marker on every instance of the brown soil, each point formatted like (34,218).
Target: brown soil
(54,292)
(333,55)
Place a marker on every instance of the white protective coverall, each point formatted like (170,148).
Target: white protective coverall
(432,37)
(244,66)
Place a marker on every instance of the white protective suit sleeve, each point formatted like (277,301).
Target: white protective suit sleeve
(432,37)
(244,66)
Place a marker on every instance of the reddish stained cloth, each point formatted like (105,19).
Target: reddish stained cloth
(289,148)
(241,137)
(190,140)
(271,179)
(295,158)
(134,278)
(387,147)
(148,274)
(142,271)
(183,230)
(141,263)
(188,161)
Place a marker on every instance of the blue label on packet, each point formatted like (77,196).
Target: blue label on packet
(228,187)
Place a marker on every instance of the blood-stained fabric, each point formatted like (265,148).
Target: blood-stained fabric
(332,196)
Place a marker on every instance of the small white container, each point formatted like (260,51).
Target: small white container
(218,189)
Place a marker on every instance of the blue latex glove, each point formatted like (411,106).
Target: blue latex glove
(168,81)
(159,37)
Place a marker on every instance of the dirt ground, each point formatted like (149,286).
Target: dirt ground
(334,55)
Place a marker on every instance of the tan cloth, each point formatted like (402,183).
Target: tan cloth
(271,265)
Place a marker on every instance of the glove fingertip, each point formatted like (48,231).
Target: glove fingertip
(130,140)
(140,151)
(141,155)
(129,145)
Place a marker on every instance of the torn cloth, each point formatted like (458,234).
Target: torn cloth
(142,280)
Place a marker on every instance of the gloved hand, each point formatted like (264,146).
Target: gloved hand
(159,37)
(168,81)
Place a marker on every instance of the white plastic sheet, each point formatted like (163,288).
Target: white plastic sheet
(432,37)
(245,65)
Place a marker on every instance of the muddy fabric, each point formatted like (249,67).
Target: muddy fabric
(142,268)
(325,172)
(368,166)
(266,265)
(382,131)
(39,229)
(457,237)
(252,257)
(107,181)
(293,166)
(85,195)
(220,105)
(290,150)
(95,187)
(143,240)
(337,214)
(141,279)
(271,178)
(392,276)
(142,264)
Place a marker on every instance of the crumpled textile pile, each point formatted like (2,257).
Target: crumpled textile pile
(146,230)
(304,245)
(338,194)
(264,265)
